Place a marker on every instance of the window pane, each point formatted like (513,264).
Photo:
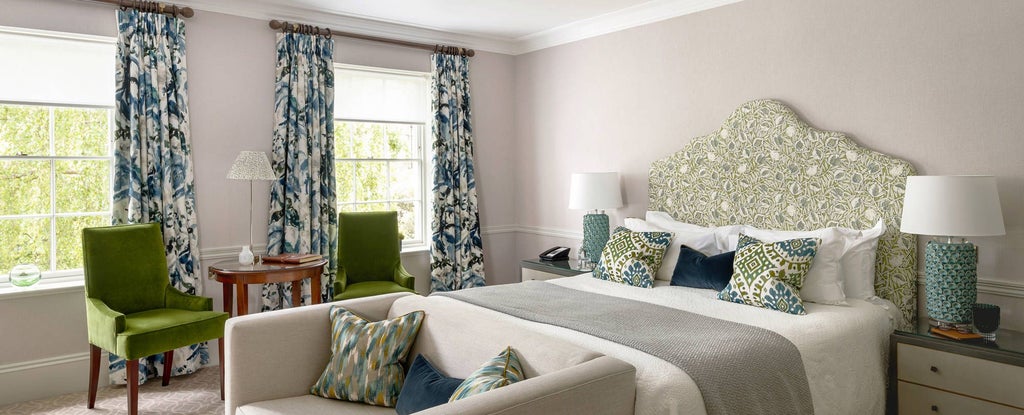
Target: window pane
(402,141)
(408,219)
(83,185)
(24,130)
(405,180)
(371,181)
(344,173)
(343,139)
(368,141)
(26,241)
(24,187)
(368,207)
(69,238)
(81,131)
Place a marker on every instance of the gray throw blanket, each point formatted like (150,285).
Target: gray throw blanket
(739,369)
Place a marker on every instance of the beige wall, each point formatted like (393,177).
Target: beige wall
(935,82)
(231,64)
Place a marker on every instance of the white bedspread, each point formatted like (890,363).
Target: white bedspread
(843,347)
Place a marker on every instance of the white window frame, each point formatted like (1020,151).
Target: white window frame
(425,159)
(69,275)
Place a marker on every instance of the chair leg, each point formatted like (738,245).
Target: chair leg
(94,374)
(132,370)
(168,366)
(220,351)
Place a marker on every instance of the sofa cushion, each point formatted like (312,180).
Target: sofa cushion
(503,370)
(311,405)
(425,387)
(365,364)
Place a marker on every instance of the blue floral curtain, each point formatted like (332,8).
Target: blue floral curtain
(456,250)
(303,200)
(153,179)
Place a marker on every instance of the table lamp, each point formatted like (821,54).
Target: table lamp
(250,165)
(948,207)
(595,191)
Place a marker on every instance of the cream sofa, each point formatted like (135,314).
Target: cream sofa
(272,359)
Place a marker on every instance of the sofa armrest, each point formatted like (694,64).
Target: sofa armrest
(282,353)
(104,324)
(602,386)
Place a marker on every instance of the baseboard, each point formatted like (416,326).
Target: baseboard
(42,378)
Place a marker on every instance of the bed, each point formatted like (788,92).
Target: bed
(766,168)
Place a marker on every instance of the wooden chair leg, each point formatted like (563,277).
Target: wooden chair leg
(168,366)
(132,370)
(94,374)
(220,350)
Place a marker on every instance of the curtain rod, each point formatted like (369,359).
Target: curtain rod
(302,28)
(152,7)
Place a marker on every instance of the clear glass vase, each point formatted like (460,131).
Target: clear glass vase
(24,275)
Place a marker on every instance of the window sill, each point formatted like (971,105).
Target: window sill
(44,287)
(412,249)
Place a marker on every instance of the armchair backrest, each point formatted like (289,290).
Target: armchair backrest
(369,247)
(125,266)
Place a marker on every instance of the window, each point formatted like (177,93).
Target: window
(56,123)
(380,127)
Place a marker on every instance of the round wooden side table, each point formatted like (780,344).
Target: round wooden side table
(231,273)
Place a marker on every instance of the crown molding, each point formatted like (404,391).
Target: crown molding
(639,15)
(354,24)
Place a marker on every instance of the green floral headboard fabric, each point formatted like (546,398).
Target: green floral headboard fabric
(766,168)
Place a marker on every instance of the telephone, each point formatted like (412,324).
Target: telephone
(558,253)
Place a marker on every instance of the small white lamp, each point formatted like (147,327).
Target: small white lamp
(595,191)
(250,165)
(948,206)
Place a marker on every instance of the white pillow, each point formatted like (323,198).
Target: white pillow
(824,282)
(726,237)
(858,264)
(696,237)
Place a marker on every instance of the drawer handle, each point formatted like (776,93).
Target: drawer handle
(935,370)
(935,408)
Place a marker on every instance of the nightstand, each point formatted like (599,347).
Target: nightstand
(535,269)
(930,374)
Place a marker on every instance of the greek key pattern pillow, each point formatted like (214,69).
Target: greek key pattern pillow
(502,370)
(366,357)
(770,275)
(632,258)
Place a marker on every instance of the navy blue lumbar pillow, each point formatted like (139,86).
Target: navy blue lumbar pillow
(424,388)
(697,270)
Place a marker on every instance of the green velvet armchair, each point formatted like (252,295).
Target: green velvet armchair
(369,256)
(131,308)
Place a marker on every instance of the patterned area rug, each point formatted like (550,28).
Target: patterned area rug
(198,393)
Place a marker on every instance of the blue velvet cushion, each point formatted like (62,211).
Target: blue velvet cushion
(697,270)
(424,388)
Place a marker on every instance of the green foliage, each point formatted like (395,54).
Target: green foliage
(25,184)
(369,176)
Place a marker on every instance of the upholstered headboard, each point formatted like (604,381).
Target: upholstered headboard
(766,168)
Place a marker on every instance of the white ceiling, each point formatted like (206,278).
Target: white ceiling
(504,26)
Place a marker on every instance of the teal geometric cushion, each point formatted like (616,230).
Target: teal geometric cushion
(502,370)
(366,357)
(770,275)
(632,258)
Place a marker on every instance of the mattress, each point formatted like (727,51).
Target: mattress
(843,348)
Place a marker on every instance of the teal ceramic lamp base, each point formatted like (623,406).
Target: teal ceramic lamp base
(951,283)
(595,235)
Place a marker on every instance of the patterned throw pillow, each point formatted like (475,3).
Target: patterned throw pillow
(366,357)
(502,370)
(770,275)
(632,258)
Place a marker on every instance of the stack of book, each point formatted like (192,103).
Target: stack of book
(293,258)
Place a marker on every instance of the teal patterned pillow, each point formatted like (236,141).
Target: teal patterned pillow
(366,357)
(632,258)
(502,370)
(770,275)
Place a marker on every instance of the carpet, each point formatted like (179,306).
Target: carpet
(195,394)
